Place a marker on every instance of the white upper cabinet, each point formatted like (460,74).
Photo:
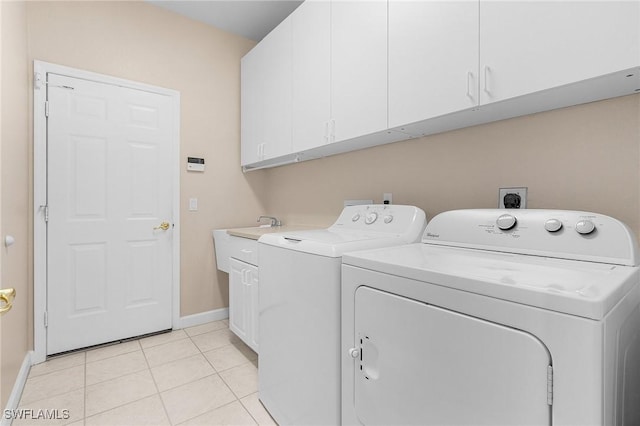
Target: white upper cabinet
(311,41)
(530,46)
(358,68)
(266,97)
(277,90)
(340,75)
(251,103)
(433,59)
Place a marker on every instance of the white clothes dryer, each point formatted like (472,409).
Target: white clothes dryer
(526,317)
(299,315)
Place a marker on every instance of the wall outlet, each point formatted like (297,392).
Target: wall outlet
(512,198)
(387,198)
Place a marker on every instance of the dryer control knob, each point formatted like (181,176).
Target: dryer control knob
(553,225)
(506,222)
(355,217)
(585,227)
(354,352)
(370,218)
(388,219)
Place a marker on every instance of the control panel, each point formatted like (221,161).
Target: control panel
(551,233)
(390,218)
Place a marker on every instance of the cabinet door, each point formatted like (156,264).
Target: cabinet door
(529,46)
(433,59)
(253,298)
(276,80)
(311,23)
(358,68)
(237,298)
(251,105)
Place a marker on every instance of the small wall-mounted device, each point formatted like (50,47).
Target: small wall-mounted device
(195,164)
(512,198)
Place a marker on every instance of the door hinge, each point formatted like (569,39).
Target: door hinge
(37,80)
(46,319)
(550,385)
(46,108)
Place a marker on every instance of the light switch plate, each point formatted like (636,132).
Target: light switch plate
(193,204)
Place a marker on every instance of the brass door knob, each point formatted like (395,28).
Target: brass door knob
(164,226)
(6,299)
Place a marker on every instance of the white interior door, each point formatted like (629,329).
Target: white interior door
(109,187)
(423,365)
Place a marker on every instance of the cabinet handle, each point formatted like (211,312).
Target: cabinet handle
(469,78)
(487,71)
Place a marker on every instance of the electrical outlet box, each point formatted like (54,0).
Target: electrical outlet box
(512,198)
(387,198)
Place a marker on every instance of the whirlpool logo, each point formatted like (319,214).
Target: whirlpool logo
(430,235)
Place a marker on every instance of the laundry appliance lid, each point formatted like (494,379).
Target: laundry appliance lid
(329,242)
(580,288)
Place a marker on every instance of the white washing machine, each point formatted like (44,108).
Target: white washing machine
(526,318)
(299,319)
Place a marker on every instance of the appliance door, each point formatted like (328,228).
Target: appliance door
(420,364)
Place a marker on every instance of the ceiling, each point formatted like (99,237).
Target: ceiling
(252,19)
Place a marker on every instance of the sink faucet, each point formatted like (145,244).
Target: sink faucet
(274,221)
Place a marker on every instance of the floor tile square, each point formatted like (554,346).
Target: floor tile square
(230,356)
(52,384)
(160,339)
(214,339)
(112,350)
(148,411)
(57,363)
(64,409)
(227,415)
(110,368)
(205,328)
(243,380)
(182,371)
(257,410)
(167,352)
(196,398)
(123,390)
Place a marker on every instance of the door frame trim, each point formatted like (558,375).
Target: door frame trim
(40,192)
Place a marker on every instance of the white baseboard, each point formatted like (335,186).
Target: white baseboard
(18,387)
(203,317)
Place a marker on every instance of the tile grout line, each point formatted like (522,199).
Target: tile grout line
(144,354)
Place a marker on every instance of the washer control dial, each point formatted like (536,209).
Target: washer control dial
(553,225)
(355,217)
(370,218)
(506,222)
(388,218)
(585,227)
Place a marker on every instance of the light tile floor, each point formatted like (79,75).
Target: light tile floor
(201,375)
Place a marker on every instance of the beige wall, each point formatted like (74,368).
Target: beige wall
(14,191)
(141,42)
(584,157)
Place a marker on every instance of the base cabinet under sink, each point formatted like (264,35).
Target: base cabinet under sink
(243,301)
